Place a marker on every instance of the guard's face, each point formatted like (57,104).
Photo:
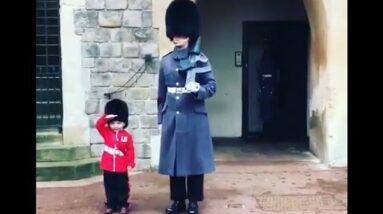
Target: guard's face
(181,41)
(116,125)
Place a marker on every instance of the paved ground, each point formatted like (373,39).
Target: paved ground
(248,179)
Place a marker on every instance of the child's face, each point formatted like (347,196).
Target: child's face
(181,41)
(116,125)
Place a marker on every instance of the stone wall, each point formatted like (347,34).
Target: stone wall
(116,34)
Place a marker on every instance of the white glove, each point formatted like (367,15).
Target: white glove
(110,116)
(193,86)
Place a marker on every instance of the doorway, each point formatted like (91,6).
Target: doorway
(275,55)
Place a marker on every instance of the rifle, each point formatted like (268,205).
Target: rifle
(196,63)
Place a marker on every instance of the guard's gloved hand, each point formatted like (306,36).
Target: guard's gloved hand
(193,86)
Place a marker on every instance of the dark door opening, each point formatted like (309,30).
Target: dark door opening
(49,106)
(274,90)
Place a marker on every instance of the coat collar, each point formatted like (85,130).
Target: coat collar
(179,53)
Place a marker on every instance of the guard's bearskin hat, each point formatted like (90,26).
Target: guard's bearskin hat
(119,108)
(182,19)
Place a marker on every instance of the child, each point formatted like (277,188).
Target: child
(118,155)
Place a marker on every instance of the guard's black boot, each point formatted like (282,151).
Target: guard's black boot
(176,207)
(193,207)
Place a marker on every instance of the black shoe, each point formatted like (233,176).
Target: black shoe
(193,207)
(176,207)
(124,210)
(108,210)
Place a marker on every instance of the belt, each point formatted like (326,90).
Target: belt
(177,90)
(113,151)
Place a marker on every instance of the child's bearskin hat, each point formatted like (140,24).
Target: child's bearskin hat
(119,108)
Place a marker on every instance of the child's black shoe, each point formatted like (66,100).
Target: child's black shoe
(108,210)
(124,210)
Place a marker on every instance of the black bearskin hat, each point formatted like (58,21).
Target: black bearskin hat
(119,108)
(182,19)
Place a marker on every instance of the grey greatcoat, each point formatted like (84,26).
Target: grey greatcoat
(186,144)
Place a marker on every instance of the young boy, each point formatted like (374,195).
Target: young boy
(118,155)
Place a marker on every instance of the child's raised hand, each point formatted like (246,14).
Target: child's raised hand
(110,116)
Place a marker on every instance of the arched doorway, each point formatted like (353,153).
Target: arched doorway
(265,94)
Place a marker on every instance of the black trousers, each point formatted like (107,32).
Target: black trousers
(116,189)
(189,187)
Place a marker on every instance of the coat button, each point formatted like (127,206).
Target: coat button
(177,112)
(177,83)
(177,97)
(177,69)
